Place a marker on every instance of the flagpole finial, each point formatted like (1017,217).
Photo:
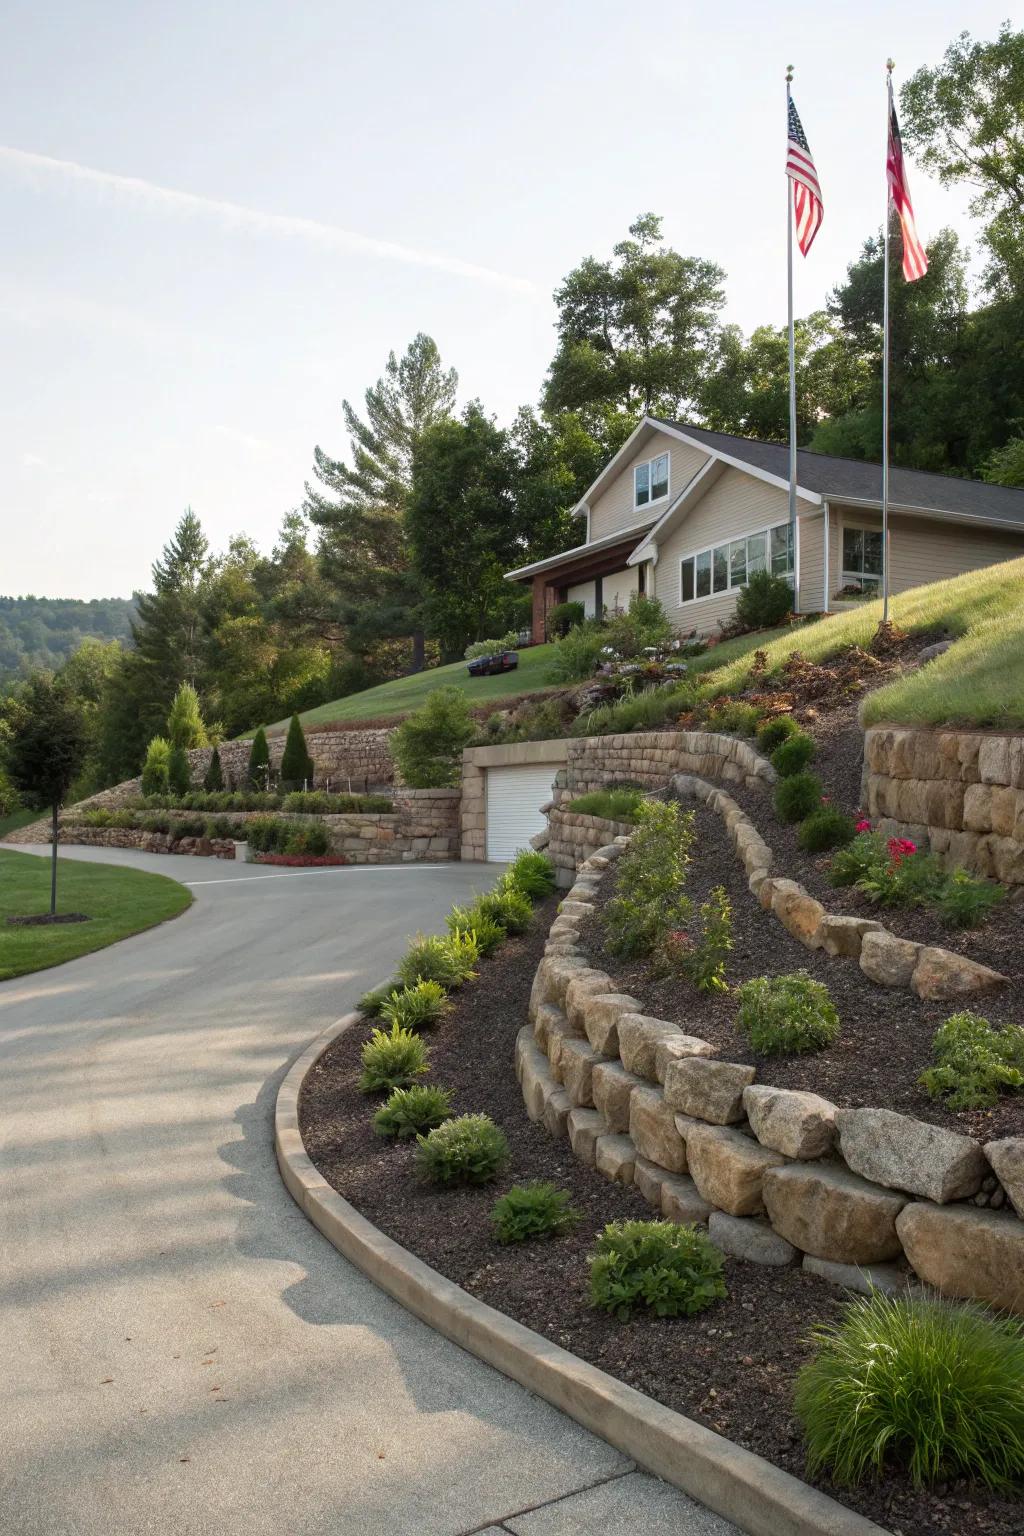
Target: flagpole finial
(890,65)
(789,74)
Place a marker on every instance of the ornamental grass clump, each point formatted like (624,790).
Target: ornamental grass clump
(532,873)
(536,1209)
(507,907)
(416,1007)
(667,1268)
(787,1015)
(411,1111)
(470,1149)
(797,796)
(649,901)
(391,1059)
(488,934)
(974,1062)
(933,1387)
(448,960)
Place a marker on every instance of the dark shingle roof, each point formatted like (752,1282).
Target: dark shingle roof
(839,478)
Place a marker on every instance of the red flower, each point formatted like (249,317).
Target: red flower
(864,826)
(901,848)
(826,799)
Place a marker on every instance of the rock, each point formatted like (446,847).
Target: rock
(557,1105)
(962,1251)
(825,1210)
(750,1238)
(708,1089)
(579,989)
(941,975)
(559,1031)
(577,909)
(610,852)
(727,1167)
(908,1154)
(929,652)
(674,1047)
(648,1177)
(546,1018)
(681,1200)
(797,1124)
(535,1076)
(576,1062)
(652,1126)
(584,1127)
(638,1037)
(552,978)
(612,1087)
(615,1157)
(798,913)
(862,1278)
(888,960)
(844,935)
(1007,1159)
(601,1014)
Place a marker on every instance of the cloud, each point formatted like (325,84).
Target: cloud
(246,439)
(236,216)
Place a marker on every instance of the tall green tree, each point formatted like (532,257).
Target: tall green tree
(185,726)
(749,390)
(45,750)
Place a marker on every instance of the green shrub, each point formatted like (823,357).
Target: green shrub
(532,873)
(470,1149)
(797,797)
(427,746)
(213,781)
(563,617)
(318,802)
(311,839)
(865,855)
(391,1058)
(646,710)
(488,934)
(964,902)
(187,826)
(156,766)
(706,957)
(825,828)
(179,778)
(668,1268)
(506,642)
(793,755)
(787,1015)
(296,763)
(257,774)
(611,804)
(185,726)
(906,879)
(537,1209)
(416,1007)
(507,907)
(643,626)
(975,1062)
(733,717)
(224,827)
(772,733)
(371,1003)
(412,1111)
(448,960)
(932,1386)
(765,602)
(577,653)
(649,901)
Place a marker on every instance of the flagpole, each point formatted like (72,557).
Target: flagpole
(885,360)
(792,371)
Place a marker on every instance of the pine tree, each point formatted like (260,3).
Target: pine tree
(156,768)
(296,763)
(179,775)
(168,628)
(259,760)
(185,726)
(213,782)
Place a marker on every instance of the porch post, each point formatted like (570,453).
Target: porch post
(540,594)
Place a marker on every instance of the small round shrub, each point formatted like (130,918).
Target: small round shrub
(935,1387)
(787,1015)
(470,1149)
(797,797)
(793,755)
(764,602)
(448,960)
(532,873)
(410,1111)
(563,617)
(416,1007)
(668,1268)
(537,1209)
(774,732)
(509,908)
(487,933)
(974,1062)
(826,828)
(391,1059)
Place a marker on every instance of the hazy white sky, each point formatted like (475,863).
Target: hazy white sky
(219,218)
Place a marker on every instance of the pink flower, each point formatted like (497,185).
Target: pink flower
(864,826)
(901,848)
(826,799)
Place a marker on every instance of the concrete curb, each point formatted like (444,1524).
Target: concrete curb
(758,1497)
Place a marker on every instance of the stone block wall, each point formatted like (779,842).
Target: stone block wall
(572,839)
(959,793)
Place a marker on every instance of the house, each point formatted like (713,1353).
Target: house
(685,514)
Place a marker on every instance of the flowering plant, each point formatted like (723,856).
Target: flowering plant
(900,848)
(863,826)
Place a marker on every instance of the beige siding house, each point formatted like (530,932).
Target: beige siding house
(687,515)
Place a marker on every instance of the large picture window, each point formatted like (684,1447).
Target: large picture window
(727,566)
(862,558)
(650,481)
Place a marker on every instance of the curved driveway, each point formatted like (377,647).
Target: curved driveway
(180,1351)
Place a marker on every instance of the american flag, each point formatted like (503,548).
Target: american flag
(807,205)
(915,262)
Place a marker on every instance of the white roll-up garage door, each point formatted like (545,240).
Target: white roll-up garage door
(514,799)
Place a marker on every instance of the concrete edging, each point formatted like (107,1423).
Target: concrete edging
(759,1497)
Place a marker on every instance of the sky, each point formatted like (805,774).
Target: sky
(219,218)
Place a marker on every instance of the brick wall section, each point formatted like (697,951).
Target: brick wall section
(959,793)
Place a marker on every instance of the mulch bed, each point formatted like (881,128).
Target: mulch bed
(731,1367)
(44,919)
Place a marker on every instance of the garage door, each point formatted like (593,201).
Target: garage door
(514,799)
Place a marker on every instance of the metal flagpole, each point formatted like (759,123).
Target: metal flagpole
(794,553)
(885,359)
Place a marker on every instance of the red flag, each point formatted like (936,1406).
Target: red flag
(915,262)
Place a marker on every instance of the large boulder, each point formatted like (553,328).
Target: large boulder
(557,1107)
(612,1087)
(1007,1159)
(727,1167)
(962,1251)
(674,1047)
(940,976)
(832,1213)
(845,935)
(559,1031)
(652,1126)
(581,987)
(797,1124)
(907,1154)
(601,1014)
(576,1062)
(798,913)
(638,1038)
(888,960)
(546,1018)
(534,1075)
(708,1089)
(648,1178)
(750,1238)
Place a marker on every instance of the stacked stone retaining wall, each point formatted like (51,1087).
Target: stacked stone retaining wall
(573,837)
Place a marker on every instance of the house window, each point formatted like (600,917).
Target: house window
(728,566)
(862,558)
(650,481)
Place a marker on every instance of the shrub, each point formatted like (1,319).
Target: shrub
(296,763)
(649,901)
(563,617)
(934,1386)
(764,602)
(705,959)
(318,802)
(506,642)
(612,804)
(578,652)
(448,960)
(537,1209)
(179,777)
(487,933)
(974,1062)
(772,733)
(797,797)
(224,827)
(310,839)
(427,746)
(258,772)
(793,755)
(371,1003)
(507,907)
(213,780)
(734,717)
(416,1007)
(470,1149)
(642,711)
(865,855)
(391,1059)
(411,1111)
(185,726)
(787,1015)
(155,768)
(643,626)
(963,902)
(530,872)
(825,828)
(908,878)
(670,1269)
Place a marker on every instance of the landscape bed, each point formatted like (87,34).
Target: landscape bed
(731,1367)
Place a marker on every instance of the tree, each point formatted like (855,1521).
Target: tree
(45,751)
(156,768)
(1006,465)
(749,391)
(168,629)
(258,772)
(185,726)
(296,763)
(636,333)
(179,774)
(427,746)
(213,780)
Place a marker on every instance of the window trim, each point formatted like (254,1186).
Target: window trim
(849,578)
(709,550)
(648,464)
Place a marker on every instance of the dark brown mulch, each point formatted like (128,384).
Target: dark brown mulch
(731,1367)
(44,919)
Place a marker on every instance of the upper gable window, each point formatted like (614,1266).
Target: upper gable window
(650,481)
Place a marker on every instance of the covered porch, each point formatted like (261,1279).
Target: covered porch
(597,575)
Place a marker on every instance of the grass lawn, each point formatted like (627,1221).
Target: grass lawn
(118,902)
(17,819)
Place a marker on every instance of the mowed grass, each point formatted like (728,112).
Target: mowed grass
(16,819)
(118,902)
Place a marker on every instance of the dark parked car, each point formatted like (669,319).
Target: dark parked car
(488,666)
